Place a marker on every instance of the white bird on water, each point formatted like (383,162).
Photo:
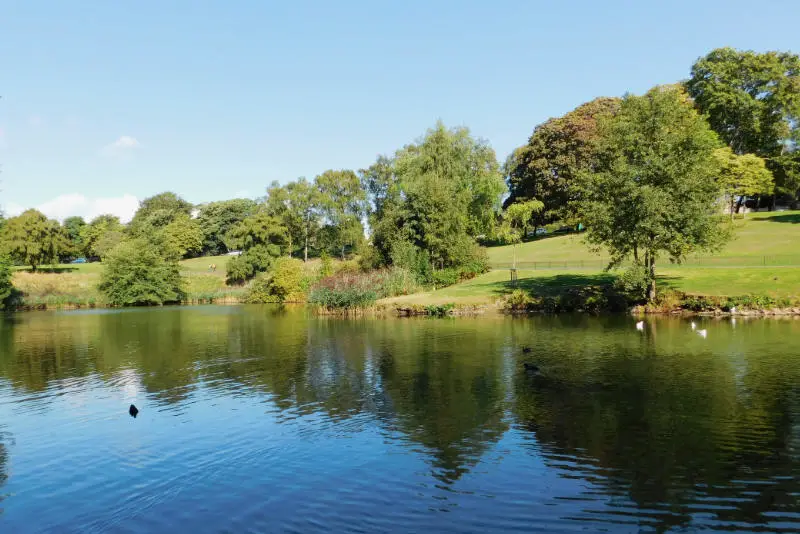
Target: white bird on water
(703,333)
(640,325)
(694,325)
(733,310)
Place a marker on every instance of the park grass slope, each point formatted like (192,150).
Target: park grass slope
(762,258)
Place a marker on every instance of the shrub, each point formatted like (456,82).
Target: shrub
(135,273)
(439,310)
(517,300)
(326,267)
(633,282)
(6,287)
(369,257)
(284,283)
(346,290)
(238,270)
(254,260)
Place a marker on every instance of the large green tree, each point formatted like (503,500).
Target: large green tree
(217,218)
(183,236)
(73,226)
(742,176)
(440,194)
(343,203)
(157,212)
(656,190)
(261,238)
(6,285)
(548,167)
(136,273)
(752,100)
(32,239)
(516,221)
(102,234)
(297,206)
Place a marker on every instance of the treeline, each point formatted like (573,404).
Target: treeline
(648,176)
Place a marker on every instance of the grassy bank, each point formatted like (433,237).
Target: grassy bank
(769,238)
(75,285)
(761,259)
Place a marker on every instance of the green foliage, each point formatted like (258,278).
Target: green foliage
(516,220)
(588,299)
(438,194)
(549,166)
(439,310)
(238,270)
(752,101)
(655,190)
(634,282)
(283,283)
(741,176)
(518,300)
(102,234)
(342,201)
(326,268)
(183,236)
(347,290)
(217,218)
(156,212)
(261,237)
(72,229)
(297,206)
(32,239)
(369,257)
(6,286)
(135,273)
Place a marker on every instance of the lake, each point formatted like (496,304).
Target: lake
(258,419)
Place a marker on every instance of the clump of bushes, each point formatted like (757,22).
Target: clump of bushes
(634,282)
(590,299)
(285,282)
(704,303)
(471,262)
(439,310)
(349,290)
(137,273)
(6,287)
(252,261)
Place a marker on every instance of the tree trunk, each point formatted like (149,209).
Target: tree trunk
(739,203)
(733,199)
(290,246)
(343,252)
(514,264)
(651,288)
(305,250)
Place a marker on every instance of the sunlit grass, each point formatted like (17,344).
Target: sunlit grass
(771,234)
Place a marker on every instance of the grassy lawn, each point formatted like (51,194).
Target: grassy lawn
(77,283)
(771,234)
(736,270)
(715,281)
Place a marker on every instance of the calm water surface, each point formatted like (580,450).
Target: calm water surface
(255,419)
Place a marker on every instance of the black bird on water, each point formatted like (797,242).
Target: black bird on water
(526,350)
(531,368)
(133,410)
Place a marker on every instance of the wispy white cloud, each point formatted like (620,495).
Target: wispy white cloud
(126,141)
(64,206)
(123,145)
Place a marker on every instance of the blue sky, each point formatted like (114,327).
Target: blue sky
(106,102)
